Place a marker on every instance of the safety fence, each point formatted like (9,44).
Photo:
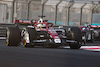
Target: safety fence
(59,12)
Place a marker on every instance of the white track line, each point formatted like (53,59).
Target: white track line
(90,48)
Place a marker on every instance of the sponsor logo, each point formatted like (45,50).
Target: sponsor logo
(39,40)
(57,41)
(72,41)
(41,35)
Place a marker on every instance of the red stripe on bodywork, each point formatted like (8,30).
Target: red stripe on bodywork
(91,48)
(53,33)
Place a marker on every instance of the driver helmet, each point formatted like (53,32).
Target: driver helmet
(84,28)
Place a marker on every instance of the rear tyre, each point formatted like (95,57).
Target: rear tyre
(74,33)
(75,46)
(13,36)
(77,35)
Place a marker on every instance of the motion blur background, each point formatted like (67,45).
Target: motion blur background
(60,12)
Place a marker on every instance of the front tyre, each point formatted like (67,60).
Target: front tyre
(13,36)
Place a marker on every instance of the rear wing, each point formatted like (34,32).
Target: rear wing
(33,22)
(24,22)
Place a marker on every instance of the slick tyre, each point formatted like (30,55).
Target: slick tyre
(76,34)
(13,36)
(75,46)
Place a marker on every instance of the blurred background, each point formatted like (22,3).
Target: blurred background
(59,12)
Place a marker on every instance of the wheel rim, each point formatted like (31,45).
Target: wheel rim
(25,38)
(7,37)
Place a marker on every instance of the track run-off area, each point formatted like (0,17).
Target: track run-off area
(12,56)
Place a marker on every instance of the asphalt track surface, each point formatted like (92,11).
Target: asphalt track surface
(47,57)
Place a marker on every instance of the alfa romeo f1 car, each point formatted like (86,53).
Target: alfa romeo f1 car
(42,33)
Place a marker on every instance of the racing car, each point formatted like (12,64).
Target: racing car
(42,33)
(91,32)
(96,31)
(87,33)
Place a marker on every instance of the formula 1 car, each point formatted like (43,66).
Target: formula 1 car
(41,33)
(96,31)
(87,33)
(72,33)
(92,33)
